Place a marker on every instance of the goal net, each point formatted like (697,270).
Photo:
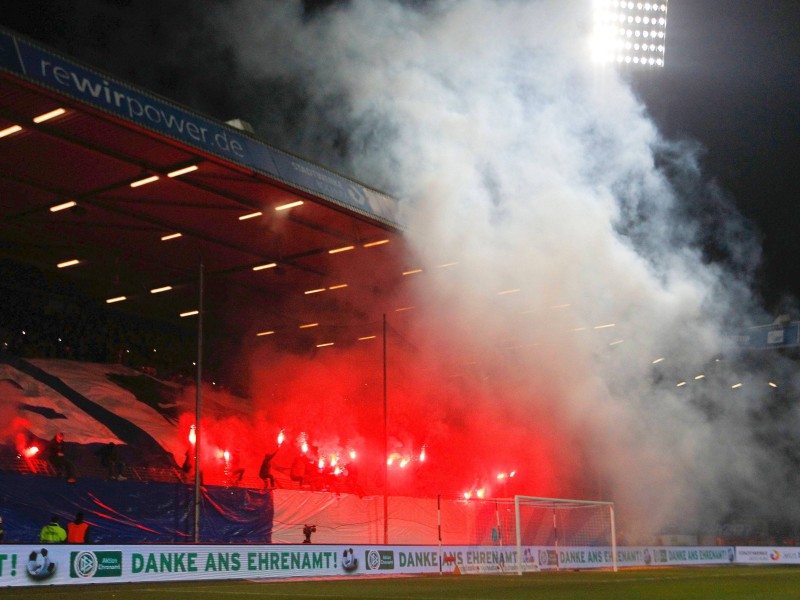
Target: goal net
(525,533)
(556,523)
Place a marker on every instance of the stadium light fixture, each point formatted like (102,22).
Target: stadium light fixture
(251,215)
(63,206)
(265,266)
(183,171)
(144,181)
(289,205)
(627,32)
(171,236)
(49,115)
(10,131)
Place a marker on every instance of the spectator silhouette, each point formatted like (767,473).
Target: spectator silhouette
(55,454)
(265,471)
(110,460)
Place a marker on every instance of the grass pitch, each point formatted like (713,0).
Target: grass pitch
(702,583)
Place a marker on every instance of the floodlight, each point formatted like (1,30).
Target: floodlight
(618,23)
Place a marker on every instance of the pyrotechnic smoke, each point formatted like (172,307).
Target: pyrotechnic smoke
(583,258)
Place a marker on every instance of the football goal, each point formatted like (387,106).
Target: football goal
(559,523)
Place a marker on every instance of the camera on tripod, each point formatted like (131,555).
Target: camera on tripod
(307,531)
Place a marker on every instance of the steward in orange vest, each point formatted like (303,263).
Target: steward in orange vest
(76,531)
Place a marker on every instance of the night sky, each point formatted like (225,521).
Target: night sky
(731,83)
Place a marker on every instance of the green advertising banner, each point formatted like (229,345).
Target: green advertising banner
(62,564)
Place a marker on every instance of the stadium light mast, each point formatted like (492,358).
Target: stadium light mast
(628,32)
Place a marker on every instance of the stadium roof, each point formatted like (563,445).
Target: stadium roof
(140,170)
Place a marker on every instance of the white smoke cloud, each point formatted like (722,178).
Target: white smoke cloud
(543,177)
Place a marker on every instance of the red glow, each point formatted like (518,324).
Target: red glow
(334,399)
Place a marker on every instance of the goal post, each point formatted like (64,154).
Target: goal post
(559,522)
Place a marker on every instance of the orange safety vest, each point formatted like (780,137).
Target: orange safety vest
(76,533)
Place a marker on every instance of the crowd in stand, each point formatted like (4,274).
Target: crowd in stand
(40,319)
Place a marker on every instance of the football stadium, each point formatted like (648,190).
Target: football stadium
(248,373)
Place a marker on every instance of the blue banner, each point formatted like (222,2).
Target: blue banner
(770,336)
(134,512)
